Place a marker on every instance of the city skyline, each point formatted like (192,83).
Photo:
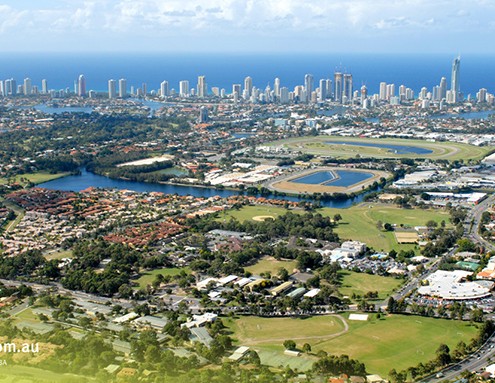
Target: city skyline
(247,26)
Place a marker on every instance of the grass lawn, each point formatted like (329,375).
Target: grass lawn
(249,212)
(36,178)
(359,223)
(272,332)
(321,146)
(361,283)
(149,276)
(269,264)
(58,254)
(24,374)
(398,341)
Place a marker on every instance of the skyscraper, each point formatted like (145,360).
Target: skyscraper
(455,85)
(338,86)
(28,86)
(112,89)
(248,86)
(322,90)
(443,88)
(44,86)
(122,87)
(383,91)
(203,115)
(164,92)
(308,86)
(184,88)
(202,87)
(347,89)
(276,88)
(81,86)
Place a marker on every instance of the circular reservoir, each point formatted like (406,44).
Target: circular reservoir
(397,149)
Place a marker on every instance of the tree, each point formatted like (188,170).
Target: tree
(289,344)
(283,274)
(443,355)
(306,348)
(431,224)
(337,217)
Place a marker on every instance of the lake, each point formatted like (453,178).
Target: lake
(86,180)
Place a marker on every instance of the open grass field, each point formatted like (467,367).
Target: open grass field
(361,283)
(439,150)
(149,276)
(36,178)
(397,341)
(24,374)
(58,254)
(359,223)
(269,264)
(250,212)
(251,330)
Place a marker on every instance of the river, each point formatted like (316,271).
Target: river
(86,180)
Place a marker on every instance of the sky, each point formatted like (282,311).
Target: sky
(231,26)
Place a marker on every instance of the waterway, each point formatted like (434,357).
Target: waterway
(86,180)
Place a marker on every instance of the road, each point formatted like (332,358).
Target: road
(475,362)
(472,227)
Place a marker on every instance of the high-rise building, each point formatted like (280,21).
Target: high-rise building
(164,92)
(390,91)
(308,87)
(322,91)
(81,86)
(2,88)
(383,91)
(144,89)
(338,86)
(122,88)
(364,94)
(203,115)
(455,86)
(236,88)
(248,87)
(443,88)
(184,88)
(276,88)
(284,95)
(347,89)
(112,89)
(481,95)
(202,87)
(44,86)
(28,86)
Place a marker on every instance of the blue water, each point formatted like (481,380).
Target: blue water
(66,109)
(223,70)
(86,180)
(315,178)
(345,178)
(398,149)
(348,178)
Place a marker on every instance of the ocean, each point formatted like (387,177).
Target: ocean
(223,70)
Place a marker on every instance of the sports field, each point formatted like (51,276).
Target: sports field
(271,265)
(24,374)
(272,332)
(253,212)
(439,150)
(397,341)
(360,223)
(361,283)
